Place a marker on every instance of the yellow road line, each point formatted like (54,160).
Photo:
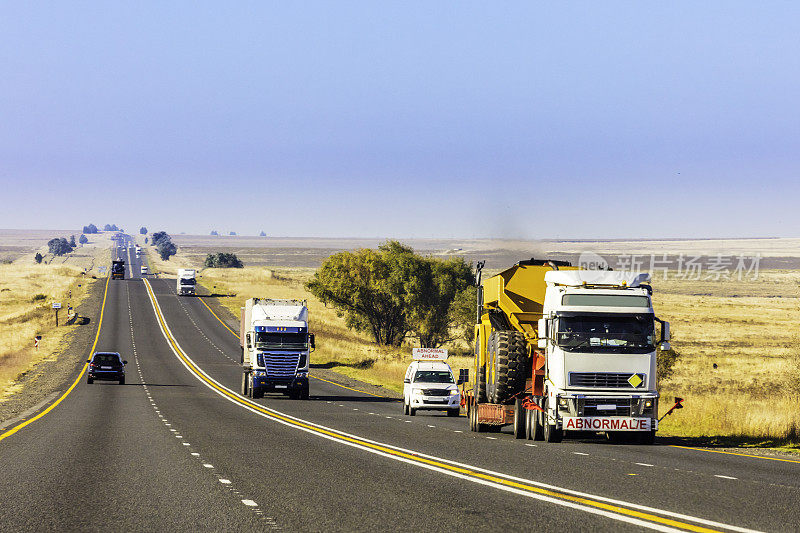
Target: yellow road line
(74,383)
(315,377)
(465,472)
(218,318)
(736,453)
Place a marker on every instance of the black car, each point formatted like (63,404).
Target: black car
(106,365)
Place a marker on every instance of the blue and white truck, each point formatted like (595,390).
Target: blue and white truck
(276,347)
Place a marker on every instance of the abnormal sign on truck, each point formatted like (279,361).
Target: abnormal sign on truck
(429,354)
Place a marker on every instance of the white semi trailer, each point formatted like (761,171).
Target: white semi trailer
(187,279)
(276,347)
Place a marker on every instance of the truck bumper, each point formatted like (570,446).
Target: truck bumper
(277,385)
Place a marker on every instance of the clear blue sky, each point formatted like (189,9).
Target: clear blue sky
(403,119)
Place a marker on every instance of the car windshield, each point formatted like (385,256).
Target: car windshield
(185,281)
(282,341)
(606,334)
(433,376)
(106,359)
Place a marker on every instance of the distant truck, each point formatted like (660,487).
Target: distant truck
(117,269)
(561,350)
(185,284)
(276,347)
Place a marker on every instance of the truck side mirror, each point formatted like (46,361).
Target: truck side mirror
(541,342)
(312,341)
(463,376)
(663,344)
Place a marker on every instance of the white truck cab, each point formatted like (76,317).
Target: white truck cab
(431,386)
(144,269)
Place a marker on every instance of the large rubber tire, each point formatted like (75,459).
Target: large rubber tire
(405,407)
(122,380)
(520,420)
(537,431)
(480,385)
(411,411)
(241,360)
(551,432)
(510,365)
(258,392)
(244,384)
(89,381)
(647,438)
(453,412)
(530,423)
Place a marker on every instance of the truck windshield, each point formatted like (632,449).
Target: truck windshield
(185,281)
(282,341)
(433,376)
(606,334)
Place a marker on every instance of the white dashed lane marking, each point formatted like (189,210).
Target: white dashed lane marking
(271,523)
(724,477)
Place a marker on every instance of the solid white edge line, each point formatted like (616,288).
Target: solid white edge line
(614,516)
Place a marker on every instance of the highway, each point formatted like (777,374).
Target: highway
(177,446)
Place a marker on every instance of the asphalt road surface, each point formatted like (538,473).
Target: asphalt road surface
(177,446)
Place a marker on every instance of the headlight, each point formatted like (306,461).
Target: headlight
(562,402)
(417,392)
(302,374)
(648,404)
(453,392)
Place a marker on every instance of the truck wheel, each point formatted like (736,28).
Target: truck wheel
(453,412)
(538,425)
(258,392)
(304,393)
(411,411)
(480,385)
(241,362)
(511,363)
(89,381)
(647,438)
(122,380)
(520,420)
(244,384)
(551,432)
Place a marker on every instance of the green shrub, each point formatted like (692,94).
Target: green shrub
(222,260)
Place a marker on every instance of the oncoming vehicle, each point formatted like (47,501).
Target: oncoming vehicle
(430,386)
(107,366)
(144,269)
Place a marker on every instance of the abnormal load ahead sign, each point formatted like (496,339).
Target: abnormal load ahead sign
(606,424)
(429,354)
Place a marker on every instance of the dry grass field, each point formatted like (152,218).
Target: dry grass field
(27,291)
(750,331)
(26,294)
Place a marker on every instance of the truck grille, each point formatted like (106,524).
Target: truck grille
(279,365)
(606,380)
(621,407)
(435,392)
